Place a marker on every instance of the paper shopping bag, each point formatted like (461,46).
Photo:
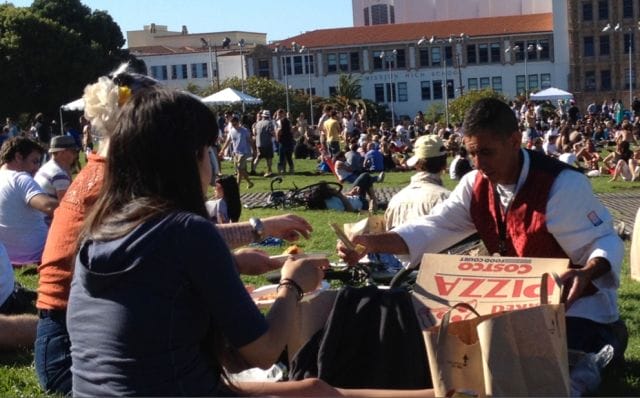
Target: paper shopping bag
(455,358)
(524,352)
(370,225)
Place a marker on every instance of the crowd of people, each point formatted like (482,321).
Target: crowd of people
(139,291)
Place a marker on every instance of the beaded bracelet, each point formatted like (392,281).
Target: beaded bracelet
(291,283)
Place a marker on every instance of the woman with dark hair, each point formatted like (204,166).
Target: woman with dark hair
(156,296)
(286,143)
(226,206)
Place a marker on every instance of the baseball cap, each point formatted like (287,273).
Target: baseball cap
(427,146)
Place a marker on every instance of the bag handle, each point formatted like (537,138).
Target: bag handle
(444,325)
(544,292)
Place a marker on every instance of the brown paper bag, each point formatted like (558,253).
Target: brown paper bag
(369,225)
(455,358)
(524,352)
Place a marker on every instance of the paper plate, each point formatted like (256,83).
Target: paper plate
(265,296)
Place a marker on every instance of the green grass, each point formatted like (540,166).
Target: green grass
(17,374)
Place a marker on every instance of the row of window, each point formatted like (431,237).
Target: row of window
(179,72)
(603,7)
(604,45)
(590,83)
(380,14)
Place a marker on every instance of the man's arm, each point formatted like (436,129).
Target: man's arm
(44,203)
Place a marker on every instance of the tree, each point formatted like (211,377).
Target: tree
(458,107)
(50,51)
(348,92)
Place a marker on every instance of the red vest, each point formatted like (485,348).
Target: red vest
(525,222)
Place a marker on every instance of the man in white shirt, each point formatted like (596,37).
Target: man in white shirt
(54,177)
(23,204)
(523,203)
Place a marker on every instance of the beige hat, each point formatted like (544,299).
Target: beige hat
(427,146)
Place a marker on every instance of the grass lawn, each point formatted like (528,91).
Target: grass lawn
(17,374)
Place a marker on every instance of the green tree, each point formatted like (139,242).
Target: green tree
(348,92)
(50,51)
(458,107)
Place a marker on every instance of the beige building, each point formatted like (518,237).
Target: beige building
(378,12)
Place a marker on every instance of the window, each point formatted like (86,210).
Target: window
(313,91)
(603,10)
(627,9)
(308,64)
(392,14)
(332,65)
(355,61)
(437,89)
(472,83)
(403,95)
(519,53)
(179,71)
(483,53)
(424,57)
(343,62)
(545,80)
(544,53)
(451,93)
(286,62)
(448,55)
(605,47)
(520,84)
(379,92)
(377,61)
(628,42)
(391,95)
(297,65)
(263,68)
(159,72)
(590,81)
(366,16)
(495,52)
(199,71)
(436,56)
(605,80)
(400,59)
(332,91)
(425,90)
(533,82)
(588,46)
(626,78)
(484,83)
(379,14)
(496,83)
(471,54)
(587,11)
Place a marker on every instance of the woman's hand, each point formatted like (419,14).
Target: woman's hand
(254,261)
(307,272)
(287,227)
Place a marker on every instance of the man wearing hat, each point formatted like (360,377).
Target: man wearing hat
(264,131)
(425,190)
(55,176)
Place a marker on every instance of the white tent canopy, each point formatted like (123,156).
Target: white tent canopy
(229,96)
(552,94)
(77,105)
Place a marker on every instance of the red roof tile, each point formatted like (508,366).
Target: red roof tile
(394,33)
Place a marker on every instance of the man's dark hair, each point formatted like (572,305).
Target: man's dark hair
(22,145)
(432,165)
(490,115)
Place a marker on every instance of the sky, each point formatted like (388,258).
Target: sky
(279,19)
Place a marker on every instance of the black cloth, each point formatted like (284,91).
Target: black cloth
(372,339)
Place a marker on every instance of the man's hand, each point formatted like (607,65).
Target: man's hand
(287,227)
(353,255)
(578,280)
(254,261)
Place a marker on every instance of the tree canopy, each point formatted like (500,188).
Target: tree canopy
(51,50)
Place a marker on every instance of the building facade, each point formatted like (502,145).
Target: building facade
(512,55)
(378,12)
(204,59)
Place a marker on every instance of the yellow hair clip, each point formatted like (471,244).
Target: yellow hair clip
(124,93)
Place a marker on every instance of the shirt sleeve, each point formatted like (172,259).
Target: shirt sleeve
(583,226)
(448,223)
(28,186)
(61,182)
(213,273)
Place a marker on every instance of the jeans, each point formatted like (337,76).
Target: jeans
(364,182)
(589,336)
(285,153)
(53,354)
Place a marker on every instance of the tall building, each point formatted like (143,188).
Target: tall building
(379,12)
